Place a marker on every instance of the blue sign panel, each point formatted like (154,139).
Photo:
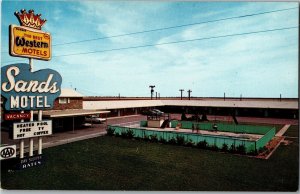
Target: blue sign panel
(26,90)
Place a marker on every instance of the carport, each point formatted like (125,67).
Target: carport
(73,113)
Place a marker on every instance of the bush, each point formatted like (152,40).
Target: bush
(146,138)
(190,143)
(162,140)
(241,149)
(153,138)
(117,134)
(224,147)
(214,148)
(110,131)
(172,141)
(252,153)
(202,144)
(232,148)
(129,134)
(180,140)
(124,134)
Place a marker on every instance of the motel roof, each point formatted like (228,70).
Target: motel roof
(255,103)
(72,112)
(67,92)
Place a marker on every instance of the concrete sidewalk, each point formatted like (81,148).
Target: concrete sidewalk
(282,130)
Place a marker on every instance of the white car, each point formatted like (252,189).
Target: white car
(158,112)
(94,119)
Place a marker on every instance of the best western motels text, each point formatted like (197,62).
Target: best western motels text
(27,42)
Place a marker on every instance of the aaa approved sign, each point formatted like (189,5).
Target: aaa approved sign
(7,152)
(29,43)
(32,129)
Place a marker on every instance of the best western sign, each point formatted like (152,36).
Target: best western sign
(25,90)
(31,43)
(32,129)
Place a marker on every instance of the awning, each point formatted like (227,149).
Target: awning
(71,113)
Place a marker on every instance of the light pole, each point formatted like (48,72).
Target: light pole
(152,90)
(181,90)
(189,91)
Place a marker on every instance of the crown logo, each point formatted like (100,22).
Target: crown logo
(30,19)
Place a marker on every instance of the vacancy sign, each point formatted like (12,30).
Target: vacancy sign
(16,116)
(32,129)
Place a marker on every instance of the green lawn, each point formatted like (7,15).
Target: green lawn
(113,163)
(293,131)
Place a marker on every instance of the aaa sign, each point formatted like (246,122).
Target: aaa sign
(30,43)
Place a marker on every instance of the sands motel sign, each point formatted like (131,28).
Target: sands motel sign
(26,90)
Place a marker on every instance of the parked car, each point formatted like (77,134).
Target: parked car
(148,113)
(94,119)
(158,112)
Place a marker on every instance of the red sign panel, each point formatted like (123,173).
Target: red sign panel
(17,116)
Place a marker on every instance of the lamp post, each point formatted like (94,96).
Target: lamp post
(189,91)
(152,90)
(181,90)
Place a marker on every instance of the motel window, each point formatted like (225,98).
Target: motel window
(64,100)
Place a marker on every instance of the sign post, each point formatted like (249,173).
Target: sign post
(25,89)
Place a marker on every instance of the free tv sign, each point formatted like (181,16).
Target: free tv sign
(26,90)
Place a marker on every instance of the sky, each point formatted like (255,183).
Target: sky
(251,65)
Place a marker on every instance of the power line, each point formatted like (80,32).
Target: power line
(172,27)
(181,41)
(178,26)
(174,42)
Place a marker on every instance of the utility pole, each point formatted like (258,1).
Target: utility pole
(189,91)
(152,90)
(156,95)
(224,96)
(280,97)
(181,90)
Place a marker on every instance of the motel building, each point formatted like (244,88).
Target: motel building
(71,108)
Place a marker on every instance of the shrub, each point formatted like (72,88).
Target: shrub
(180,140)
(146,138)
(252,153)
(232,148)
(190,143)
(241,149)
(124,134)
(162,140)
(202,144)
(110,131)
(117,134)
(172,141)
(214,148)
(153,138)
(129,134)
(224,147)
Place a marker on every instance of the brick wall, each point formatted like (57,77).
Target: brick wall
(75,103)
